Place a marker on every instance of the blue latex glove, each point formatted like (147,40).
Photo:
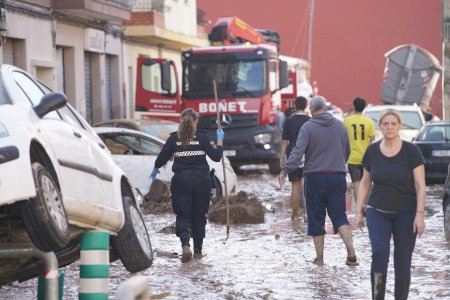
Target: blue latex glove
(220,135)
(154,173)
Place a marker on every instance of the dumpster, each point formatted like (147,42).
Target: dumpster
(410,76)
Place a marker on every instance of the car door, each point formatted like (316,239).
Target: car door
(68,143)
(134,154)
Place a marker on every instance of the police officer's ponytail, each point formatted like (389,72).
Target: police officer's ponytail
(188,126)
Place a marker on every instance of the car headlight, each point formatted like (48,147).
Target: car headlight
(3,131)
(263,138)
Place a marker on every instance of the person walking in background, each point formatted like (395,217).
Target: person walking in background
(191,184)
(291,128)
(361,132)
(396,203)
(324,142)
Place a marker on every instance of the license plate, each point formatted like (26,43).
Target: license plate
(229,152)
(440,153)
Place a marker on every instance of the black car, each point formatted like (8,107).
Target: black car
(434,143)
(446,206)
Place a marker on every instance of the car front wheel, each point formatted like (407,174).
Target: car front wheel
(44,216)
(132,243)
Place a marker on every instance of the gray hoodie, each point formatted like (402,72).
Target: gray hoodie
(324,142)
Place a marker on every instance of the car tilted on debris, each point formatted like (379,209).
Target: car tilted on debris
(57,179)
(135,152)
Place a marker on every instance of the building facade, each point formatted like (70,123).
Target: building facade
(158,29)
(72,46)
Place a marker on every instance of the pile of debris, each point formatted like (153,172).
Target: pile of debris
(157,200)
(244,209)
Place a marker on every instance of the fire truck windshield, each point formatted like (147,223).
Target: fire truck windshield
(234,79)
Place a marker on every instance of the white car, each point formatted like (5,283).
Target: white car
(57,178)
(412,118)
(135,152)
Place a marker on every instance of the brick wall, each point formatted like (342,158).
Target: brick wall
(146,18)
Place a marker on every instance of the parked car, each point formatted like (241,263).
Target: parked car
(57,179)
(434,143)
(135,152)
(155,127)
(412,118)
(446,206)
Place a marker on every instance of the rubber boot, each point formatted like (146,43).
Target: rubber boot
(378,285)
(186,256)
(198,244)
(401,289)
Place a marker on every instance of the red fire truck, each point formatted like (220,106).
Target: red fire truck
(249,75)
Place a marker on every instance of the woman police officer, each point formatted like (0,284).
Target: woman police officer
(191,185)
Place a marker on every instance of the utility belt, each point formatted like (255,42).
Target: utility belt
(192,173)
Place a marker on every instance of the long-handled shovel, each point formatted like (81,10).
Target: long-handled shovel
(219,126)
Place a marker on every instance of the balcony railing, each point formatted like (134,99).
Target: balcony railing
(128,4)
(148,5)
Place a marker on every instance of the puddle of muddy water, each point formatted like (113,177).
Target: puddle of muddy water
(273,260)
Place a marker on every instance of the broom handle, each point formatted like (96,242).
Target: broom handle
(219,126)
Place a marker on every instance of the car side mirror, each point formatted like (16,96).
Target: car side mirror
(50,102)
(166,82)
(284,74)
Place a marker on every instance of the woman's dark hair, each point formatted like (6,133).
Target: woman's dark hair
(187,127)
(301,103)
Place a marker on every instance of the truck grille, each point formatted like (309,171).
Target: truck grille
(209,122)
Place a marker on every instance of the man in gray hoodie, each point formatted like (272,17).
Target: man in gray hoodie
(324,142)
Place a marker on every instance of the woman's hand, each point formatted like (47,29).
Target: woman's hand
(359,220)
(419,224)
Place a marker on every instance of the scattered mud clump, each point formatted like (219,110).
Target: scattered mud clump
(244,209)
(168,229)
(157,200)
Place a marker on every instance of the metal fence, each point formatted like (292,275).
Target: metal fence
(128,4)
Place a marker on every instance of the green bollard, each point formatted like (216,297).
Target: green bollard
(41,286)
(94,266)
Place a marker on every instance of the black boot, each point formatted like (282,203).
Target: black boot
(198,244)
(401,289)
(378,285)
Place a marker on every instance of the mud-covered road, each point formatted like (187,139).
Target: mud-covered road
(273,260)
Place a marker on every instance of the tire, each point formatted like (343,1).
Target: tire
(447,222)
(274,166)
(44,216)
(134,249)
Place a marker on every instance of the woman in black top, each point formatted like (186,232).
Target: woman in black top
(191,185)
(396,203)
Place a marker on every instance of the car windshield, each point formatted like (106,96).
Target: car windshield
(435,133)
(234,79)
(161,131)
(410,119)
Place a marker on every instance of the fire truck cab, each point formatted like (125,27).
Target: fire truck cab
(248,77)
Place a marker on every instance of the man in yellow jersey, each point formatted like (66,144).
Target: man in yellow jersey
(361,133)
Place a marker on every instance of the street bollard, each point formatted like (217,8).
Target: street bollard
(94,266)
(42,286)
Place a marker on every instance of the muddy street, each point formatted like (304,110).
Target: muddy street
(273,260)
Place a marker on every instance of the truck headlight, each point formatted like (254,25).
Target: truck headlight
(3,131)
(263,138)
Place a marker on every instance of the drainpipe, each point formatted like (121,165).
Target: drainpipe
(50,272)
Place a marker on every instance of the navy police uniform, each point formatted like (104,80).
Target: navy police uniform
(191,185)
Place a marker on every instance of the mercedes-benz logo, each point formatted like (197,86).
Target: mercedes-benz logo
(226,120)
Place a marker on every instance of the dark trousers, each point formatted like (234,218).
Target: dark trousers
(325,192)
(381,227)
(190,201)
